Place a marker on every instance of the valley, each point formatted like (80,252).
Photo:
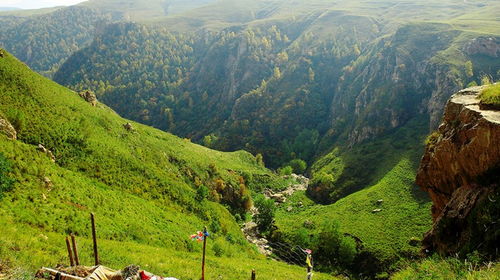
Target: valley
(225,99)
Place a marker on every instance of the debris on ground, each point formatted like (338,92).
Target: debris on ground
(99,272)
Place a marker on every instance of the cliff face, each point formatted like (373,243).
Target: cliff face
(403,79)
(459,171)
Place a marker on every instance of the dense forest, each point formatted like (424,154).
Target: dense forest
(46,41)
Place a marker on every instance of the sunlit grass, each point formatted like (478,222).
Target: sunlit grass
(490,95)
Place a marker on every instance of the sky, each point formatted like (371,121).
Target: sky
(37,4)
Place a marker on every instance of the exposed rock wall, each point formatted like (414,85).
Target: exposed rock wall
(468,145)
(465,150)
(6,128)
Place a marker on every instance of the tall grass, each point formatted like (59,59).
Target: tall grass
(490,95)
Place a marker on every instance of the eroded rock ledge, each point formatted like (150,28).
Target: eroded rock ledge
(458,170)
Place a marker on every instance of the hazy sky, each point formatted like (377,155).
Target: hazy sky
(37,4)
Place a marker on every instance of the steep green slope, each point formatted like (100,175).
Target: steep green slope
(383,237)
(141,184)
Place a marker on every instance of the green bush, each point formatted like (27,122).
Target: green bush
(287,170)
(299,166)
(347,250)
(267,211)
(201,193)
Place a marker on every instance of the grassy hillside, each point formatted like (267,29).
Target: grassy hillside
(141,184)
(383,238)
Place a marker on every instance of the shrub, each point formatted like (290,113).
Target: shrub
(287,170)
(299,166)
(267,211)
(347,250)
(201,193)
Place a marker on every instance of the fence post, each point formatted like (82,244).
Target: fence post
(204,246)
(74,249)
(253,274)
(94,238)
(72,262)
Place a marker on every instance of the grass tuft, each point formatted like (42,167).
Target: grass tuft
(490,97)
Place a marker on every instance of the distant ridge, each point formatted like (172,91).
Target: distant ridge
(9,9)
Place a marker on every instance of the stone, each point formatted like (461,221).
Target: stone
(128,126)
(89,96)
(48,183)
(44,150)
(289,209)
(307,223)
(414,241)
(380,201)
(279,198)
(376,210)
(7,129)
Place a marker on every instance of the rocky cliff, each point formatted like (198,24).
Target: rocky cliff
(460,171)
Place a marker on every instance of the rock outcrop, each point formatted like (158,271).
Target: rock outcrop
(6,128)
(89,96)
(482,46)
(458,171)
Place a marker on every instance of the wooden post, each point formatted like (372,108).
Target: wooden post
(253,274)
(204,246)
(309,265)
(77,262)
(94,237)
(72,262)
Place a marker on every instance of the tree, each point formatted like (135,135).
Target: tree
(277,72)
(299,166)
(201,193)
(267,211)
(311,75)
(258,159)
(356,50)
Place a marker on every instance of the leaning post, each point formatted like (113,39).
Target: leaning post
(70,253)
(94,238)
(77,261)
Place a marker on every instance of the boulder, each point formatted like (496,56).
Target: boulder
(7,129)
(128,126)
(89,96)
